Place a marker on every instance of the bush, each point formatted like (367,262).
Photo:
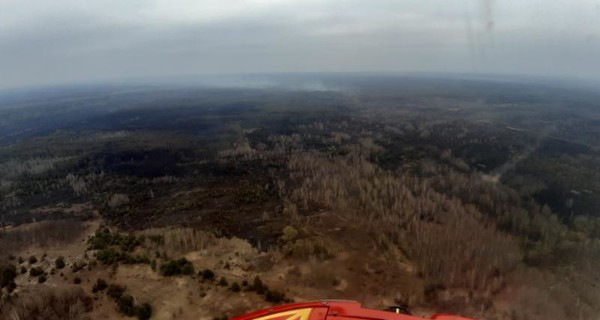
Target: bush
(41,278)
(208,274)
(23,270)
(77,266)
(8,274)
(20,260)
(32,260)
(110,256)
(274,296)
(235,287)
(223,282)
(144,311)
(125,305)
(99,285)
(257,282)
(176,267)
(115,291)
(289,233)
(59,263)
(77,280)
(258,286)
(35,271)
(104,239)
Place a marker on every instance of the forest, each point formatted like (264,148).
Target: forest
(462,196)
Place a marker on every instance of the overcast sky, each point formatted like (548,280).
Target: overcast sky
(62,41)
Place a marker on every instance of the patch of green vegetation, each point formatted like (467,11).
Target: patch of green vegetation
(109,256)
(104,239)
(177,267)
(116,248)
(289,233)
(125,302)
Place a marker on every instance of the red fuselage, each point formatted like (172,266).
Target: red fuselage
(331,310)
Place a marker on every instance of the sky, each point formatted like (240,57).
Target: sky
(73,41)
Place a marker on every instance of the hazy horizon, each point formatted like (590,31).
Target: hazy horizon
(89,41)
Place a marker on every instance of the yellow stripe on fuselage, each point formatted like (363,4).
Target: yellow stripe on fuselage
(299,314)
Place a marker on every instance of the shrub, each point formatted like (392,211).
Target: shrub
(125,305)
(208,274)
(115,291)
(104,239)
(77,280)
(23,270)
(99,285)
(41,278)
(35,271)
(223,282)
(289,233)
(110,256)
(144,311)
(77,266)
(20,260)
(32,260)
(257,282)
(274,296)
(8,274)
(258,286)
(235,287)
(59,263)
(176,267)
